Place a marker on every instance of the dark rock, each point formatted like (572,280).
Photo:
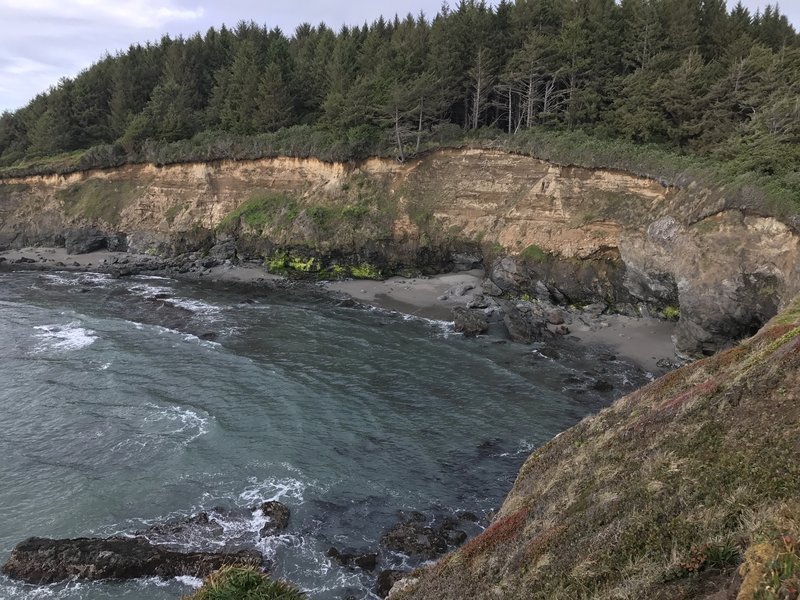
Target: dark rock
(24,261)
(278,514)
(386,581)
(83,241)
(518,327)
(596,309)
(43,561)
(507,275)
(478,301)
(490,289)
(469,322)
(366,561)
(223,251)
(455,537)
(161,532)
(466,261)
(415,538)
(451,531)
(665,363)
(467,516)
(601,385)
(524,328)
(550,352)
(209,336)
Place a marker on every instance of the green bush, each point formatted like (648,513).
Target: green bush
(534,253)
(262,210)
(244,583)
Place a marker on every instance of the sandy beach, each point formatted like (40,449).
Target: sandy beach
(645,341)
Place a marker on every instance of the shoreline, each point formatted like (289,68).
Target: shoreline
(645,341)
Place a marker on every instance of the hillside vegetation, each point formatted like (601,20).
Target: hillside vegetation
(687,488)
(675,89)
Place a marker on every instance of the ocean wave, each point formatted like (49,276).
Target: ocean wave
(62,338)
(195,306)
(187,337)
(68,279)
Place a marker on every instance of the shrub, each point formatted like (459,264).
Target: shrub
(671,313)
(534,253)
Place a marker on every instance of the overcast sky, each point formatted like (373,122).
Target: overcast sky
(44,40)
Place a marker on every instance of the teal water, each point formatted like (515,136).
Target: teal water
(115,415)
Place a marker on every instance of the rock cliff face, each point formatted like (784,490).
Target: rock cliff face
(687,488)
(575,235)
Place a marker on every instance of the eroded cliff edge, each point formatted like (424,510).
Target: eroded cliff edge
(572,235)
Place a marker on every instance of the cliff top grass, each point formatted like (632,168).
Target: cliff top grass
(685,488)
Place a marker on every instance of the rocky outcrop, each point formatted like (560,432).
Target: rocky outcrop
(687,488)
(278,515)
(568,235)
(470,322)
(42,561)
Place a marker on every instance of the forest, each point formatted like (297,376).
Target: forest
(660,87)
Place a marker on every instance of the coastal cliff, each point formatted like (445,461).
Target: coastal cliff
(687,488)
(567,234)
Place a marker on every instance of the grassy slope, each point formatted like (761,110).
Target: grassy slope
(663,495)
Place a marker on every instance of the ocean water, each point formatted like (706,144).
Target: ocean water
(125,403)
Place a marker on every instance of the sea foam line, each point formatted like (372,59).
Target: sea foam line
(64,337)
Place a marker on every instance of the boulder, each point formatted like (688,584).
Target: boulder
(415,538)
(386,581)
(83,241)
(278,514)
(43,561)
(367,561)
(490,289)
(469,322)
(524,328)
(507,275)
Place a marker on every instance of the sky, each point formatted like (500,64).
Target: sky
(42,41)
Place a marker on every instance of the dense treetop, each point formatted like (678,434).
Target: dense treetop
(686,75)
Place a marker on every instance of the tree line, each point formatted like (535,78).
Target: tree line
(687,75)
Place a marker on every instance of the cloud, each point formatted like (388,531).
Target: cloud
(42,41)
(145,14)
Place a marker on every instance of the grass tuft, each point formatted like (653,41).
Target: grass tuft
(244,583)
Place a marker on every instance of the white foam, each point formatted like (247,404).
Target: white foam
(188,421)
(524,447)
(195,306)
(146,290)
(67,279)
(192,582)
(64,337)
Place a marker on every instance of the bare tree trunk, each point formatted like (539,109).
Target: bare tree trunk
(419,127)
(397,133)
